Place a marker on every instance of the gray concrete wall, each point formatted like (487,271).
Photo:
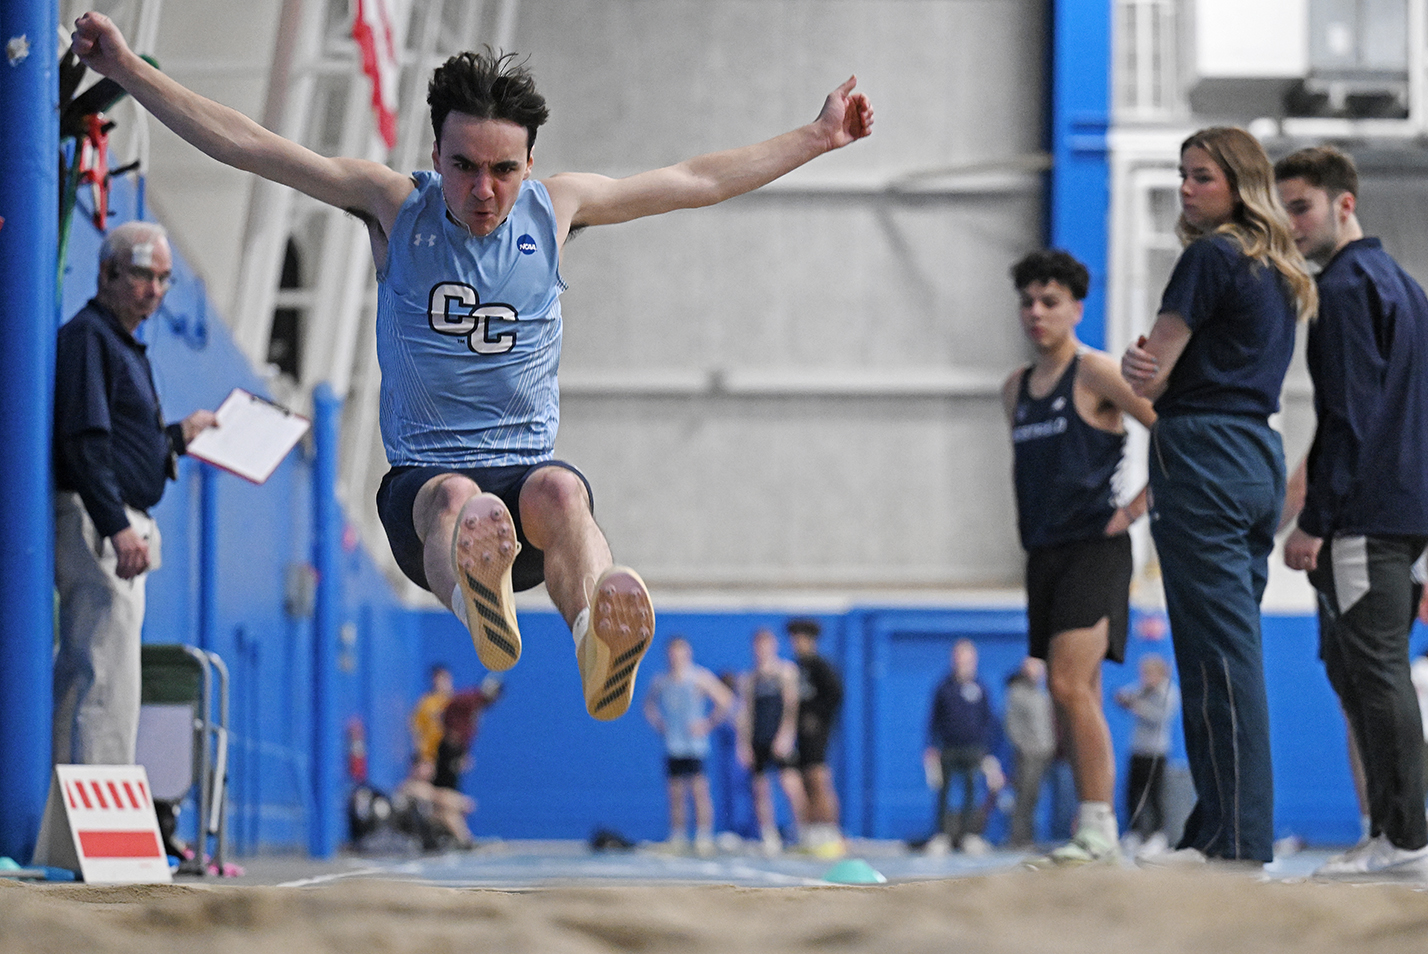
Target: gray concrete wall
(828,280)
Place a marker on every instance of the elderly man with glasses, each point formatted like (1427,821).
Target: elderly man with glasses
(112,456)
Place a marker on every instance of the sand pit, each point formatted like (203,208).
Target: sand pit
(1093,911)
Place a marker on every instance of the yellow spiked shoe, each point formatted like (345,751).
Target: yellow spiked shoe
(616,636)
(483,548)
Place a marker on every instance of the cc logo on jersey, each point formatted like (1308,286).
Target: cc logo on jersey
(456,310)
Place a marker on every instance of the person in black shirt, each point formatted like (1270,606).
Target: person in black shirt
(820,696)
(1364,519)
(112,455)
(767,733)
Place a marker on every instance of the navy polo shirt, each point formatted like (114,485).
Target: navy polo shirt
(110,442)
(961,715)
(1368,355)
(1241,317)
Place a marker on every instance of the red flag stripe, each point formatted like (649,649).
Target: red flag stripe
(119,844)
(99,794)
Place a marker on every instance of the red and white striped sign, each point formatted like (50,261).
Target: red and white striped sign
(100,821)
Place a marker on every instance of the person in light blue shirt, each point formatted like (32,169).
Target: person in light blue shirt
(684,704)
(467,260)
(1155,702)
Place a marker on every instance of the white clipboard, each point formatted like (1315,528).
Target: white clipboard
(252,437)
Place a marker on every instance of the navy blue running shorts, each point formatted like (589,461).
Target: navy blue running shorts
(398,493)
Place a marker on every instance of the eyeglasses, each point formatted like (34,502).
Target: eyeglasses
(144,276)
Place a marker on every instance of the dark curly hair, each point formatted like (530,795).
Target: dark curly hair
(1053,265)
(487,86)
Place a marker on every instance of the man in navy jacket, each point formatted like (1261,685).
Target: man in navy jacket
(1365,516)
(113,454)
(961,731)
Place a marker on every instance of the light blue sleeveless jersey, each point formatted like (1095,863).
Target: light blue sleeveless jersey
(468,334)
(681,704)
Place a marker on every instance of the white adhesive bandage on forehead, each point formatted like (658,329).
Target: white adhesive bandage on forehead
(142,256)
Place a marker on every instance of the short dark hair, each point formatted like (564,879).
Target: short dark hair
(1323,167)
(804,625)
(487,86)
(1053,265)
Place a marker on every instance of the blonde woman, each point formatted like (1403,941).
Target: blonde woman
(1214,364)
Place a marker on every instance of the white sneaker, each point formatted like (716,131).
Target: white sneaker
(1089,847)
(1353,861)
(704,845)
(975,846)
(772,844)
(1379,857)
(674,845)
(1177,858)
(1155,845)
(937,846)
(1400,862)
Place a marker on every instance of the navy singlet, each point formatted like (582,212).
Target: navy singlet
(1064,467)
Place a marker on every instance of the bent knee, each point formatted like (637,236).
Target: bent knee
(438,497)
(551,491)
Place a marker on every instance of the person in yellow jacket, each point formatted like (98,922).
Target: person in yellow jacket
(425,722)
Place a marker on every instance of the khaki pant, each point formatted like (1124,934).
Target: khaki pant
(101,618)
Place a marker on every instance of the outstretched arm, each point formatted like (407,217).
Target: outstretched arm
(583,199)
(367,188)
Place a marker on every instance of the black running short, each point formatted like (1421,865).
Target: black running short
(813,747)
(398,492)
(764,758)
(1075,585)
(683,767)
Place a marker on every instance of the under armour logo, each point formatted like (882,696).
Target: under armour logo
(428,240)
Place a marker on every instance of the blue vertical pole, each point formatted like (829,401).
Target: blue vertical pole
(1079,193)
(207,555)
(323,833)
(29,204)
(852,658)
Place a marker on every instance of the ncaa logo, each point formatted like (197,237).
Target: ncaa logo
(526,244)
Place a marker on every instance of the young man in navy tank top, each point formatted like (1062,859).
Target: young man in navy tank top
(767,732)
(1066,412)
(468,277)
(1363,521)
